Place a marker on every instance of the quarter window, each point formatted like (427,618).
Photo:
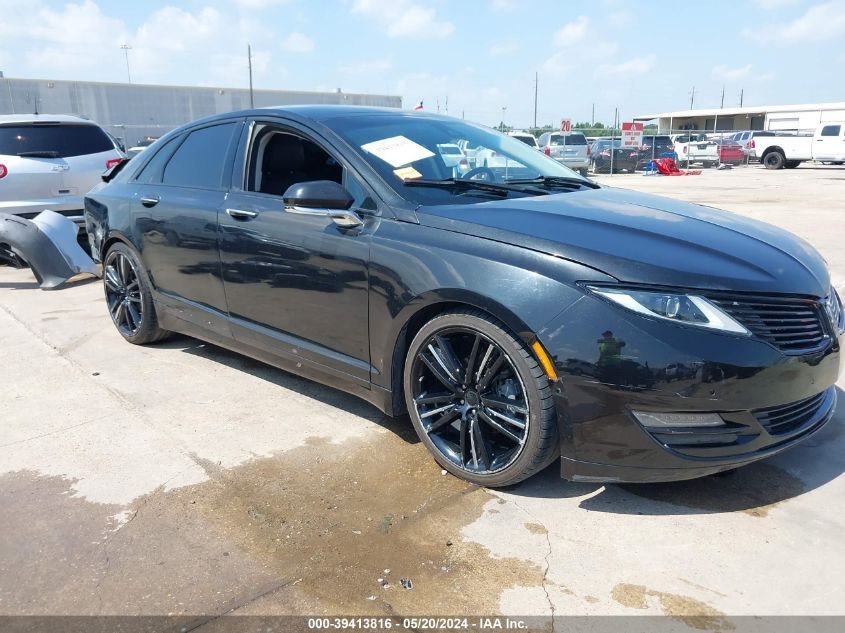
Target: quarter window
(200,160)
(831,130)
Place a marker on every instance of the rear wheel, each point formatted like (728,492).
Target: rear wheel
(792,164)
(707,164)
(479,400)
(128,296)
(774,160)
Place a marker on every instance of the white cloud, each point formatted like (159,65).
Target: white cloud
(558,64)
(504,5)
(402,18)
(298,43)
(367,66)
(731,74)
(773,4)
(260,4)
(504,47)
(634,66)
(821,22)
(573,32)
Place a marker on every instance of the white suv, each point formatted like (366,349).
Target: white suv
(51,161)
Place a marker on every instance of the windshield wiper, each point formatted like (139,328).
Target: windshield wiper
(40,153)
(479,185)
(557,181)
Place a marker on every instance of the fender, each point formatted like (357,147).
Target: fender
(48,244)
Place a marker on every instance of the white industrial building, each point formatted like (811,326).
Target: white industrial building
(791,118)
(132,111)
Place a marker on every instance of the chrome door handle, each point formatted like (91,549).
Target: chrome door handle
(241,214)
(150,201)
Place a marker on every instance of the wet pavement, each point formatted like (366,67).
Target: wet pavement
(184,479)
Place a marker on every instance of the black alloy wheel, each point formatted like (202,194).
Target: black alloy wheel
(475,395)
(123,293)
(129,298)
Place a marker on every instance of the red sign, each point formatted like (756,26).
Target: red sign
(632,134)
(566,125)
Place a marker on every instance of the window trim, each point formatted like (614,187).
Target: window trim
(226,176)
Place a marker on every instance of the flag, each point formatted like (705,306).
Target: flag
(419,106)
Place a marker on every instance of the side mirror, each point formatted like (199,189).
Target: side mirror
(322,198)
(318,194)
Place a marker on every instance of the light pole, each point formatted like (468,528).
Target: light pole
(126,48)
(503,117)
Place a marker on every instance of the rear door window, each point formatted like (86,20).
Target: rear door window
(200,160)
(831,130)
(53,140)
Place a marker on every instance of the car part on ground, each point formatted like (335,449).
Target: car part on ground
(48,244)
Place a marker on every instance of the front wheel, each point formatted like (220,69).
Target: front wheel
(129,297)
(479,400)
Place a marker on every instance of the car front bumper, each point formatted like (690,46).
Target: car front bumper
(661,367)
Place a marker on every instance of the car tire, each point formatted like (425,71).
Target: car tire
(707,164)
(792,164)
(450,395)
(583,171)
(129,296)
(774,160)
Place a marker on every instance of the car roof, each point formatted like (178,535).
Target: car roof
(8,119)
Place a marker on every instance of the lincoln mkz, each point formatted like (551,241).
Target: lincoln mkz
(517,312)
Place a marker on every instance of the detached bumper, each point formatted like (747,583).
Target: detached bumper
(69,206)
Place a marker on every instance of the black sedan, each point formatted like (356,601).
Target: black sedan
(517,312)
(623,159)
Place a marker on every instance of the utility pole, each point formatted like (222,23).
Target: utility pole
(723,98)
(593,117)
(503,117)
(741,95)
(126,48)
(536,81)
(692,98)
(249,61)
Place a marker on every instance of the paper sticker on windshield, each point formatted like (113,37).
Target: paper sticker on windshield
(397,150)
(407,173)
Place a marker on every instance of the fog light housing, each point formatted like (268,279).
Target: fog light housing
(660,420)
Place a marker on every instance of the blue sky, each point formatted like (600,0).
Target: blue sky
(480,54)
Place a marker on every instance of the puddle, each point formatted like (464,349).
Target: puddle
(311,530)
(694,613)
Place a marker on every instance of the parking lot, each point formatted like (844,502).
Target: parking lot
(180,478)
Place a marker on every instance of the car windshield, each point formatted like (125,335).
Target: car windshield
(403,148)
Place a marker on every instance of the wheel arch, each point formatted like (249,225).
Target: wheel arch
(112,238)
(428,306)
(773,148)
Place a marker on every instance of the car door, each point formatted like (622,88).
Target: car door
(296,283)
(829,143)
(176,203)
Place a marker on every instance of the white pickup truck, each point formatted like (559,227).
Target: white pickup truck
(695,148)
(827,145)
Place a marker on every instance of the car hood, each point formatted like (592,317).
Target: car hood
(646,239)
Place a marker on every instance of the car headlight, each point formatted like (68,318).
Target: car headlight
(833,307)
(682,309)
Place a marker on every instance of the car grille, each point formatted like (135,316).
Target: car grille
(788,417)
(792,325)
